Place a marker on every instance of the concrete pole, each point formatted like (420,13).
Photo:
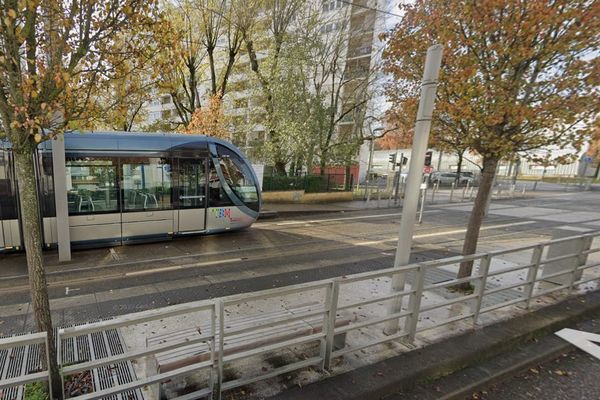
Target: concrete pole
(398,177)
(415,176)
(60,198)
(368,192)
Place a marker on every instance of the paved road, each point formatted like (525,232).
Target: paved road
(106,282)
(569,377)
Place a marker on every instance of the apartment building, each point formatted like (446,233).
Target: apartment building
(359,21)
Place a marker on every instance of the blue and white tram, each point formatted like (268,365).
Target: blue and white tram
(130,187)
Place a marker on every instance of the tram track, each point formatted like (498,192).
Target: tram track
(319,250)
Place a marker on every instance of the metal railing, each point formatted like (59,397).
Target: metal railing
(430,291)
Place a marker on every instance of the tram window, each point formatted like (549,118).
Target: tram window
(218,197)
(91,185)
(146,184)
(46,183)
(238,176)
(8,198)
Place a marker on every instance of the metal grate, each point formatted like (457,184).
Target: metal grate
(28,359)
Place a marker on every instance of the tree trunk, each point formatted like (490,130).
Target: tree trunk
(322,166)
(32,235)
(476,218)
(459,168)
(516,171)
(348,176)
(280,168)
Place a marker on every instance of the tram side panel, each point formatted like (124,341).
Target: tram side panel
(10,236)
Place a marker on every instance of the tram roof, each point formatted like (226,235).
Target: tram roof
(130,141)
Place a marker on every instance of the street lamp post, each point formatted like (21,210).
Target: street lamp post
(370,164)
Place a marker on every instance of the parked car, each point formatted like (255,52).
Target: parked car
(475,176)
(447,178)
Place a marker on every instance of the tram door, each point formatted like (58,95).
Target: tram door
(191,192)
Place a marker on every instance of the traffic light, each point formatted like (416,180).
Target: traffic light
(393,159)
(428,157)
(404,160)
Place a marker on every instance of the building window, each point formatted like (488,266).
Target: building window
(165,114)
(92,185)
(146,184)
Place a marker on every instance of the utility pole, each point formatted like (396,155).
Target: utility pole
(415,176)
(398,177)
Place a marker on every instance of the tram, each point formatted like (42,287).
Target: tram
(124,187)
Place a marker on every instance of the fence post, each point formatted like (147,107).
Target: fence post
(483,270)
(532,272)
(221,308)
(414,304)
(213,347)
(586,244)
(423,196)
(58,359)
(329,323)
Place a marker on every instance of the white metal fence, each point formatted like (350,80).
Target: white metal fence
(335,311)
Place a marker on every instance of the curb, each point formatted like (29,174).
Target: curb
(402,373)
(464,383)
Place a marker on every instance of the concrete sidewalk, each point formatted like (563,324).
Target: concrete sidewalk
(402,373)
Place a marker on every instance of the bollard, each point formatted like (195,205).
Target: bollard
(432,193)
(535,185)
(423,194)
(464,192)
(471,194)
(523,191)
(378,196)
(451,192)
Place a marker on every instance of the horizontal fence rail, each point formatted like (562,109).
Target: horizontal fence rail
(330,317)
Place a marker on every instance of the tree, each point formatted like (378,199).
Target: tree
(594,147)
(193,54)
(121,103)
(271,31)
(447,135)
(209,120)
(54,56)
(526,73)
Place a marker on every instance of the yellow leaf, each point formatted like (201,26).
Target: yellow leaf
(37,137)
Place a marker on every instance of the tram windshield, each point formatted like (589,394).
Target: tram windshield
(238,176)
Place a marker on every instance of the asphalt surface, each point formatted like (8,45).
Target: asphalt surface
(571,376)
(105,282)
